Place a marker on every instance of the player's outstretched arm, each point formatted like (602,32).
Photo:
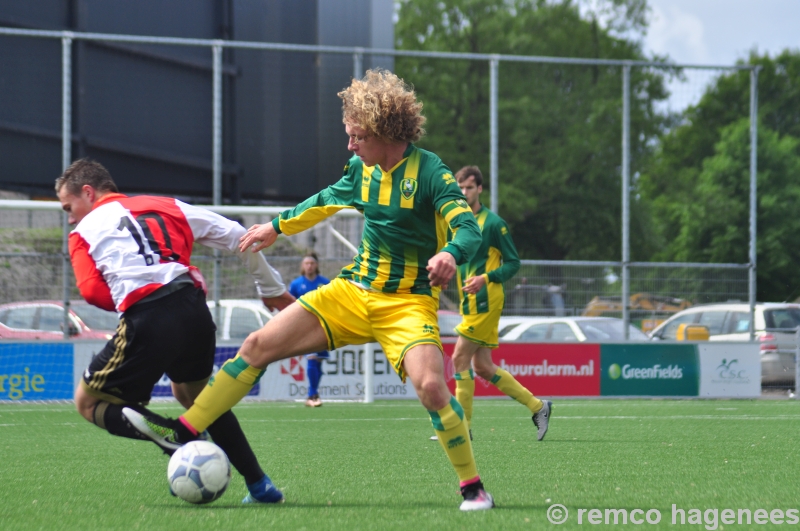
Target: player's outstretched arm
(258,237)
(278,303)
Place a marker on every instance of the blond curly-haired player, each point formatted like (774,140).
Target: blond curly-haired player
(389,294)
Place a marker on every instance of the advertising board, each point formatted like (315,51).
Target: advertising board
(36,371)
(342,377)
(546,369)
(662,369)
(729,369)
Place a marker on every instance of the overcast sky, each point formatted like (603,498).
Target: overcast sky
(722,31)
(718,32)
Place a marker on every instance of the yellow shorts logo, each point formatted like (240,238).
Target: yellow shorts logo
(427,329)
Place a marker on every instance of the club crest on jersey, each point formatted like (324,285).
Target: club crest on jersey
(408,187)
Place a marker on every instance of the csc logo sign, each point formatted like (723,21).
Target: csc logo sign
(727,370)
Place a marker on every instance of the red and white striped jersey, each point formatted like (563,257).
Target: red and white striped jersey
(128,247)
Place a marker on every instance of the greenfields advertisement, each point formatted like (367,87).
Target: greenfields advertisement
(649,370)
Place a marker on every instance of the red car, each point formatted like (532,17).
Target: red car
(45,320)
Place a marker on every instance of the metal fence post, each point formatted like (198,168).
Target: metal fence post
(626,169)
(369,356)
(358,63)
(796,360)
(753,198)
(494,64)
(66,159)
(217,169)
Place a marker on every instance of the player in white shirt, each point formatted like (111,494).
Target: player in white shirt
(132,255)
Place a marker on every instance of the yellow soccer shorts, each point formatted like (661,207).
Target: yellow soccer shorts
(351,315)
(480,328)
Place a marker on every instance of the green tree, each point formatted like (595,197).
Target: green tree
(559,125)
(698,182)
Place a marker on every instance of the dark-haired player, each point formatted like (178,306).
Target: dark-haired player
(132,255)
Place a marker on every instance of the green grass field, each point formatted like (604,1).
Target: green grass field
(356,466)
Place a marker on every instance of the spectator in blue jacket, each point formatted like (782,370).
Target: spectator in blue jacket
(309,280)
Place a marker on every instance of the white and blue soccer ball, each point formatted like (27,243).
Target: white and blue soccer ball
(199,472)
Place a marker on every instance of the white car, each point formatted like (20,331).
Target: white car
(569,329)
(776,323)
(239,317)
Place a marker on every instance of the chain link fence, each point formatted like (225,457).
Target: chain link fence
(604,105)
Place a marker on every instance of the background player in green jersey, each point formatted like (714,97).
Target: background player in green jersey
(480,283)
(389,294)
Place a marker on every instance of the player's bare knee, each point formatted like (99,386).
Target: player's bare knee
(87,413)
(182,396)
(86,409)
(485,371)
(255,350)
(85,404)
(433,394)
(461,361)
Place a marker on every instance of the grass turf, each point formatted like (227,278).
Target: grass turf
(357,466)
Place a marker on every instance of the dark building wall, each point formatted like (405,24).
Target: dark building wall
(145,110)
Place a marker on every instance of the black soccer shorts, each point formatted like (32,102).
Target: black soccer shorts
(174,334)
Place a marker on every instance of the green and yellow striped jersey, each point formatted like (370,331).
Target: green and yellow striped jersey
(407,213)
(497,258)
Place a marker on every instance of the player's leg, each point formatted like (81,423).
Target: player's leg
(228,435)
(113,381)
(424,366)
(503,380)
(105,415)
(465,378)
(321,318)
(294,331)
(314,370)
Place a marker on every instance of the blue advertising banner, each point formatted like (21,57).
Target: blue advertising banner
(222,354)
(36,371)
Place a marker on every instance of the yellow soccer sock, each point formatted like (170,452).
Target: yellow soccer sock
(465,391)
(451,429)
(232,383)
(510,386)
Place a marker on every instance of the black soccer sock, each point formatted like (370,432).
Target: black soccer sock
(228,435)
(109,417)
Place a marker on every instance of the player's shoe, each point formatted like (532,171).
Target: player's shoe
(313,401)
(168,434)
(263,491)
(542,419)
(476,498)
(436,437)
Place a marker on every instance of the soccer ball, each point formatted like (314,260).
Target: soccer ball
(199,472)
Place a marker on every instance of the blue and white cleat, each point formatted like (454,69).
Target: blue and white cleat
(263,491)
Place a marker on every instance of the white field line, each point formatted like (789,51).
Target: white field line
(560,417)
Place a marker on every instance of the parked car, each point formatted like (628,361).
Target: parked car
(45,320)
(774,330)
(239,317)
(448,321)
(570,329)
